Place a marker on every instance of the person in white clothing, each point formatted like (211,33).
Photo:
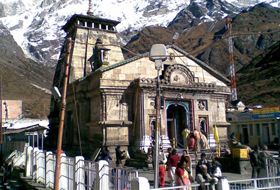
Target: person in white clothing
(216,169)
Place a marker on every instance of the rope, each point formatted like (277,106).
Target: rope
(77,120)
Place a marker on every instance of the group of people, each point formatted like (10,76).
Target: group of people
(179,170)
(208,172)
(105,155)
(195,139)
(257,160)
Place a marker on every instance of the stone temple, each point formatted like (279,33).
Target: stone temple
(111,101)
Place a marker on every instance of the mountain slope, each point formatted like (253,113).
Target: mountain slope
(23,79)
(253,31)
(261,78)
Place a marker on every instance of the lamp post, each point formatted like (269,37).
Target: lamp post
(158,54)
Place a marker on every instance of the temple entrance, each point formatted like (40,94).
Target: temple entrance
(176,123)
(203,122)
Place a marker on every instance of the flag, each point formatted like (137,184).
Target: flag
(216,135)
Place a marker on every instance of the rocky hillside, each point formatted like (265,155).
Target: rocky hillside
(254,31)
(23,79)
(261,78)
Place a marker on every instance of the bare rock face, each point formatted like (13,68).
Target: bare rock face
(155,8)
(11,8)
(199,12)
(8,46)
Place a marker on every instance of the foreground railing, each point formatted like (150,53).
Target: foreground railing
(186,187)
(258,183)
(243,184)
(75,173)
(272,167)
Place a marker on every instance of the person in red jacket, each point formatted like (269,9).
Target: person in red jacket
(172,164)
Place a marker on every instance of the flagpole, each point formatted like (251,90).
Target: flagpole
(217,139)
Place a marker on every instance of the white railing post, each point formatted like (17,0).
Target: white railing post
(73,173)
(91,174)
(41,166)
(255,184)
(80,173)
(35,163)
(50,169)
(140,183)
(63,179)
(266,168)
(102,178)
(29,162)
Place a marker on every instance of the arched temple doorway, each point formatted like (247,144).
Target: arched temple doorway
(203,123)
(178,118)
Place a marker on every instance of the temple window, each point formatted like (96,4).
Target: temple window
(81,23)
(103,26)
(89,24)
(105,55)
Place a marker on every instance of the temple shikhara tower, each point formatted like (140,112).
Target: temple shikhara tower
(111,101)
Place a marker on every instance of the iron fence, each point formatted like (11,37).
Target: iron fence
(90,174)
(186,187)
(272,167)
(113,177)
(244,184)
(121,178)
(257,183)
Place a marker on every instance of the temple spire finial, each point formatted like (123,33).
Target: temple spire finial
(90,13)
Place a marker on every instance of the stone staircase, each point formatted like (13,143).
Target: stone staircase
(140,159)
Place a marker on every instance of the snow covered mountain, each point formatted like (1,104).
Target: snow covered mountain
(36,24)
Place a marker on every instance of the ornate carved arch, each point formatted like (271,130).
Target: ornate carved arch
(178,75)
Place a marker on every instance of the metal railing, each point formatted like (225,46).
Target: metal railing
(272,167)
(117,178)
(121,178)
(257,183)
(243,184)
(90,174)
(186,187)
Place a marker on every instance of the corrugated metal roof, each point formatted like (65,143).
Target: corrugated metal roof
(27,129)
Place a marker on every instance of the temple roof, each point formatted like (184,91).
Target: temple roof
(88,18)
(199,62)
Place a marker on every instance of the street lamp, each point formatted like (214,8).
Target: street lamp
(158,54)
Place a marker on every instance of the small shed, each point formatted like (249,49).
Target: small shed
(16,133)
